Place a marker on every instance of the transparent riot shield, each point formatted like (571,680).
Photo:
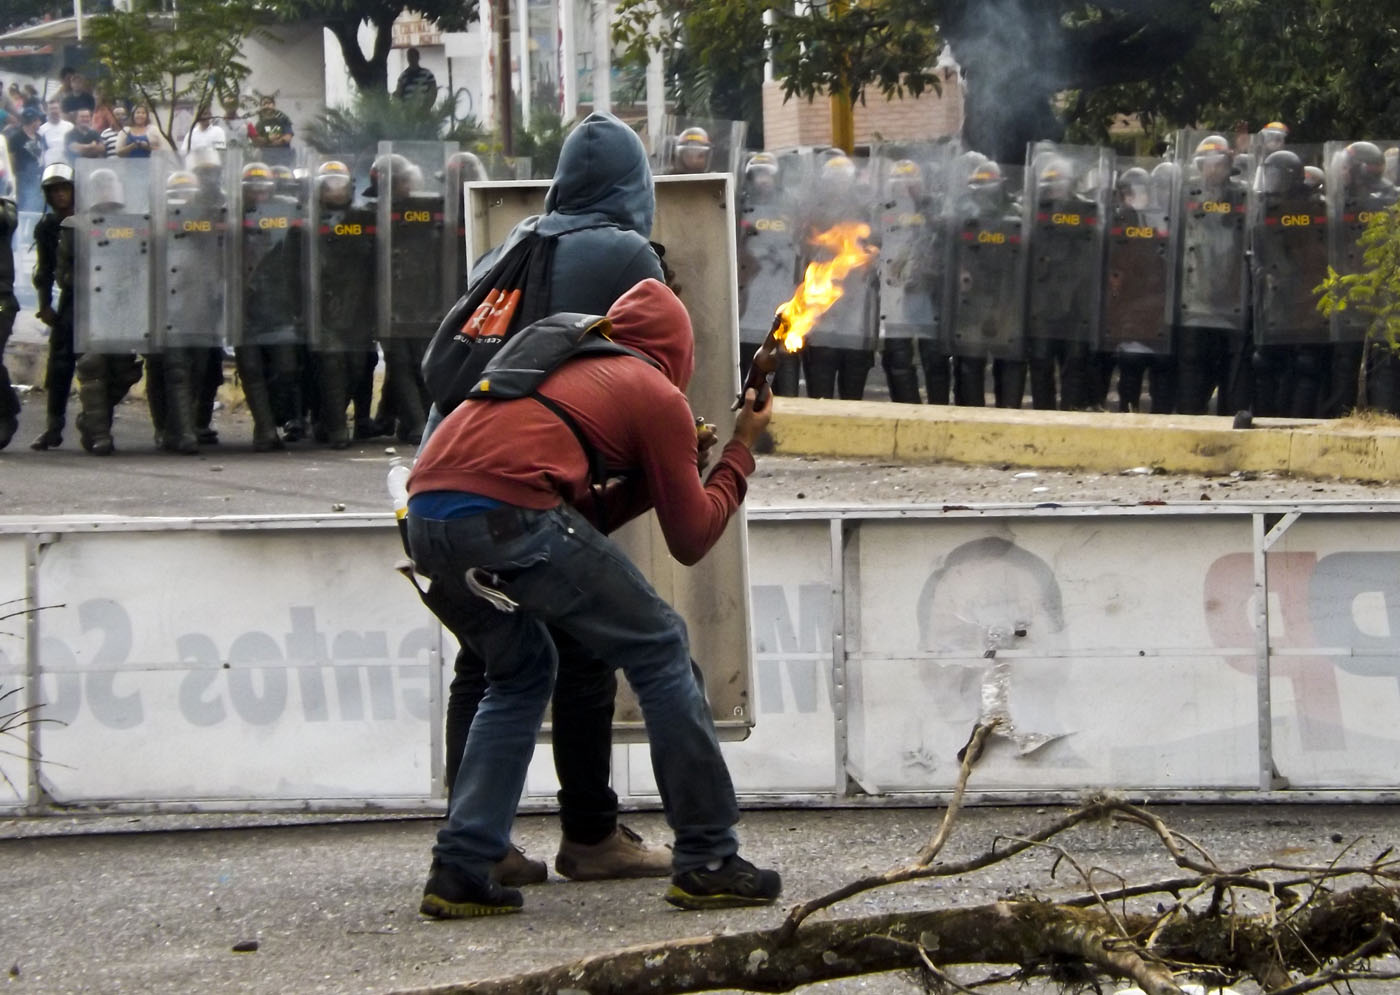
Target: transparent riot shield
(417,283)
(195,254)
(766,246)
(1288,243)
(690,145)
(114,261)
(911,228)
(1137,266)
(837,192)
(462,168)
(266,302)
(1357,189)
(695,221)
(340,256)
(985,272)
(1211,199)
(1065,204)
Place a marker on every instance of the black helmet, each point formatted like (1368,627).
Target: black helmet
(1365,159)
(1283,172)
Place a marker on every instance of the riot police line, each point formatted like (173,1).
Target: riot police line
(1078,274)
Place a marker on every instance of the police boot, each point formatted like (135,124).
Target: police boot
(408,407)
(155,396)
(788,374)
(51,437)
(9,413)
(970,382)
(938,375)
(258,398)
(1009,382)
(334,399)
(94,420)
(897,357)
(180,397)
(1042,369)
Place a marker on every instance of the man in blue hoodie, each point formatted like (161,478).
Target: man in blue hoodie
(600,206)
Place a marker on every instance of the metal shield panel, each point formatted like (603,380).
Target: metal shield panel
(195,254)
(340,280)
(113,250)
(416,283)
(1136,316)
(1288,259)
(266,302)
(912,230)
(1211,287)
(767,251)
(837,191)
(717,146)
(1357,188)
(985,270)
(695,221)
(1066,206)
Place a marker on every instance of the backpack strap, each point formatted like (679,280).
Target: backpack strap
(597,466)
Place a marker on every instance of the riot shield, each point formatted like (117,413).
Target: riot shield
(1136,315)
(911,228)
(689,145)
(985,271)
(766,247)
(417,282)
(195,255)
(1357,188)
(270,233)
(1211,286)
(114,261)
(340,255)
(462,168)
(1288,243)
(836,192)
(1065,204)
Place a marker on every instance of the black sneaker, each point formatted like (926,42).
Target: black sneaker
(452,895)
(737,884)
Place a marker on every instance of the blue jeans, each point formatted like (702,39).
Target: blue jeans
(565,574)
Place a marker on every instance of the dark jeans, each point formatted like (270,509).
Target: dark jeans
(561,573)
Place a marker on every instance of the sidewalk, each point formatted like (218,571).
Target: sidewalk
(155,904)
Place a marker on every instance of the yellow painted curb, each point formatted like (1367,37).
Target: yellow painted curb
(1097,441)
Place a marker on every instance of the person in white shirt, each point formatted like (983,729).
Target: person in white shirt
(205,133)
(53,133)
(110,135)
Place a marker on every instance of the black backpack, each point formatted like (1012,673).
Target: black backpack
(527,358)
(512,294)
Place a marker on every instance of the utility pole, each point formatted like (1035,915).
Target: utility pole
(843,125)
(505,99)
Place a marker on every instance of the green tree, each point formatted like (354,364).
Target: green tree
(189,55)
(1373,292)
(344,17)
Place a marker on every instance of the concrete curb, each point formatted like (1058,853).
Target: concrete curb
(1097,441)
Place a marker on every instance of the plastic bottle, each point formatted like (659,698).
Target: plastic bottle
(399,468)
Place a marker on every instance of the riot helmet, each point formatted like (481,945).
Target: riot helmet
(838,171)
(1314,179)
(1055,179)
(1212,159)
(1273,136)
(258,183)
(57,183)
(1365,163)
(1283,172)
(761,174)
(334,185)
(465,167)
(1392,164)
(905,179)
(1133,188)
(284,180)
(390,164)
(985,185)
(181,187)
(105,190)
(693,151)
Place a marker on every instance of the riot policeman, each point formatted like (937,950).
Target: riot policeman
(1211,290)
(1136,330)
(911,291)
(692,151)
(54,266)
(462,168)
(113,291)
(767,265)
(841,351)
(985,275)
(1062,286)
(9,306)
(340,296)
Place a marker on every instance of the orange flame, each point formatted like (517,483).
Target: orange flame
(821,286)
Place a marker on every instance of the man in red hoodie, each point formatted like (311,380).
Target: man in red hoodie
(499,513)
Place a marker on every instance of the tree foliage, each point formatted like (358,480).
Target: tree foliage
(190,55)
(1372,292)
(344,17)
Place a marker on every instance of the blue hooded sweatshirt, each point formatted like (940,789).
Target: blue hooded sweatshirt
(601,206)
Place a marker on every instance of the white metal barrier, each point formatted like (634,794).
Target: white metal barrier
(1180,651)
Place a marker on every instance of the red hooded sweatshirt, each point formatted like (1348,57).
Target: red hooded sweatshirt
(521,453)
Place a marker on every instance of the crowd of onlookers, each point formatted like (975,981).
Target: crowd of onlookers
(76,120)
